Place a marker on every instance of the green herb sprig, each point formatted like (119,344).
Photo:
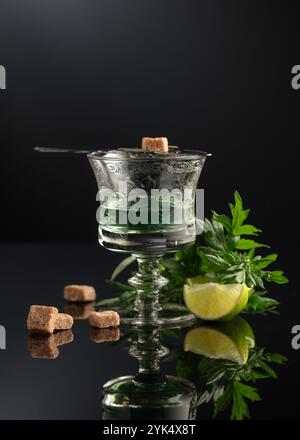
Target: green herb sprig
(223,255)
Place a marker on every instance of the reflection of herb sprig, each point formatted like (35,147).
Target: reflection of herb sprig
(228,385)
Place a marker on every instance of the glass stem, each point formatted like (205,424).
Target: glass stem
(149,351)
(147,281)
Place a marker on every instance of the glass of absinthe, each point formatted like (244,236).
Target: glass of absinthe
(147,209)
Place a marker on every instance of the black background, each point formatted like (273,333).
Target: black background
(93,73)
(96,73)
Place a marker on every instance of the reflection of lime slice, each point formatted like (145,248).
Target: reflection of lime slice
(245,328)
(228,340)
(200,279)
(213,301)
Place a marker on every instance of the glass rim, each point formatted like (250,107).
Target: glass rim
(187,154)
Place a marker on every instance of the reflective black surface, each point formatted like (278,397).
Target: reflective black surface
(69,386)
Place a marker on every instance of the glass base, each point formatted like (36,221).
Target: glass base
(169,315)
(148,243)
(147,311)
(154,397)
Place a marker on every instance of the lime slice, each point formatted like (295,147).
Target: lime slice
(213,301)
(228,340)
(200,279)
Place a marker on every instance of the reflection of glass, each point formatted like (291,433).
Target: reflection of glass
(135,190)
(150,395)
(216,364)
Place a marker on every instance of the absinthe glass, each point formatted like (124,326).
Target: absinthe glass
(146,200)
(147,208)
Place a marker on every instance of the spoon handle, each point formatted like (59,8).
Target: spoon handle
(60,150)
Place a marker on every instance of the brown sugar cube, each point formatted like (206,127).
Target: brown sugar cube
(156,145)
(106,319)
(42,346)
(98,335)
(42,319)
(63,322)
(63,337)
(79,310)
(79,293)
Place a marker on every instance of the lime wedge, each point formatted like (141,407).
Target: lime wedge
(213,301)
(230,340)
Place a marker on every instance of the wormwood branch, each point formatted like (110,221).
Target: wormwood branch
(225,254)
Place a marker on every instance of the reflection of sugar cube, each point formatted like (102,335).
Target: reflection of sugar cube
(156,145)
(45,346)
(79,310)
(104,334)
(106,319)
(42,346)
(63,337)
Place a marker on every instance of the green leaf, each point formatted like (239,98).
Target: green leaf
(266,261)
(239,215)
(224,401)
(107,302)
(232,210)
(240,409)
(276,358)
(244,215)
(224,220)
(238,201)
(266,368)
(128,297)
(247,391)
(251,253)
(171,264)
(179,255)
(245,244)
(246,230)
(122,266)
(258,303)
(236,211)
(214,235)
(257,280)
(241,392)
(119,286)
(277,277)
(214,261)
